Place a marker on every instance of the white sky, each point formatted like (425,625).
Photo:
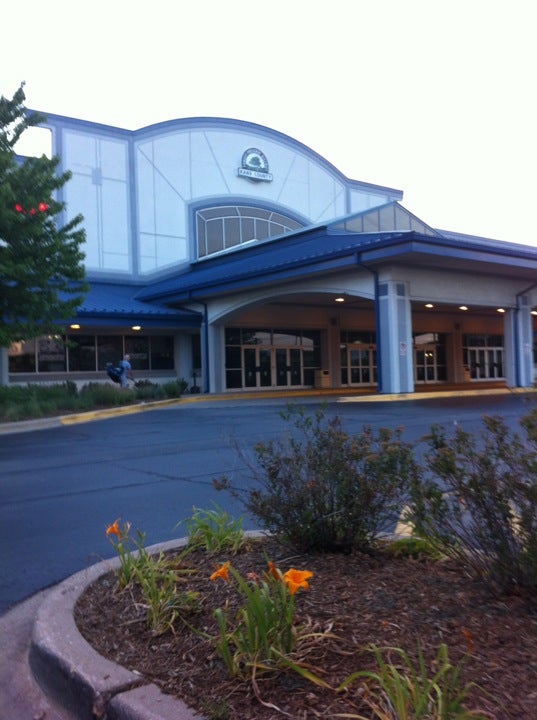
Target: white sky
(432,97)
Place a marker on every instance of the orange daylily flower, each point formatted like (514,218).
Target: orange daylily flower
(221,572)
(468,637)
(296,579)
(113,529)
(273,571)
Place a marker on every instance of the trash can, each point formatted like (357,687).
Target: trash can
(322,378)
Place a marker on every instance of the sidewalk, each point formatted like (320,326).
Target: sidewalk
(49,672)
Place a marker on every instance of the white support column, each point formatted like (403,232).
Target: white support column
(518,333)
(525,334)
(4,366)
(510,348)
(396,371)
(215,358)
(183,357)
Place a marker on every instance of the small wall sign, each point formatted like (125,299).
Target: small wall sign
(254,166)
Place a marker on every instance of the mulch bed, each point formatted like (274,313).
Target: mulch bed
(356,599)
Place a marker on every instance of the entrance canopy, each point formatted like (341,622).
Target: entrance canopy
(383,235)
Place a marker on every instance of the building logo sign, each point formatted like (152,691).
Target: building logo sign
(254,166)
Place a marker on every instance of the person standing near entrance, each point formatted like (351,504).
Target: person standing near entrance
(126,371)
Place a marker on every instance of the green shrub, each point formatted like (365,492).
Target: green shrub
(106,395)
(321,489)
(413,547)
(20,402)
(147,390)
(214,531)
(403,689)
(174,388)
(478,501)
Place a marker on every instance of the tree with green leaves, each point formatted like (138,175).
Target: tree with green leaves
(41,264)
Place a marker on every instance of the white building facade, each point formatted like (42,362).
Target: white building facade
(235,257)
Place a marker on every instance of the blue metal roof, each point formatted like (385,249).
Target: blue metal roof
(337,245)
(119,303)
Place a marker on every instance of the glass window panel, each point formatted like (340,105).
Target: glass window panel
(256,337)
(247,229)
(196,351)
(371,222)
(233,336)
(50,355)
(312,358)
(311,338)
(162,356)
(233,379)
(109,349)
(218,212)
(137,347)
(286,337)
(261,229)
(81,352)
(357,336)
(255,223)
(284,221)
(233,357)
(202,242)
(232,232)
(276,229)
(386,219)
(215,237)
(21,356)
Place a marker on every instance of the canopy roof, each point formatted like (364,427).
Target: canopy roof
(388,233)
(118,303)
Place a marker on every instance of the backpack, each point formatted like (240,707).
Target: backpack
(114,372)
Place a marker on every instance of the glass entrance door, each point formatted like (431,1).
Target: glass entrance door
(485,363)
(358,365)
(425,364)
(288,367)
(257,367)
(271,367)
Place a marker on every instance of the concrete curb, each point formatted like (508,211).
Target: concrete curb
(81,680)
(19,426)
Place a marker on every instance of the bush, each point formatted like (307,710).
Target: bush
(105,395)
(174,388)
(214,531)
(19,402)
(478,501)
(146,390)
(320,489)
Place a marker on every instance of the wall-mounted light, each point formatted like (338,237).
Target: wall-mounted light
(340,299)
(136,327)
(463,307)
(429,305)
(75,326)
(500,310)
(533,312)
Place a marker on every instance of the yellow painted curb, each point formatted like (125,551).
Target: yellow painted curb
(76,418)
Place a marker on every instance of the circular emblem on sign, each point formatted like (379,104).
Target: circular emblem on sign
(254,159)
(254,166)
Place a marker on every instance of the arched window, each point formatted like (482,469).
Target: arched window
(229,226)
